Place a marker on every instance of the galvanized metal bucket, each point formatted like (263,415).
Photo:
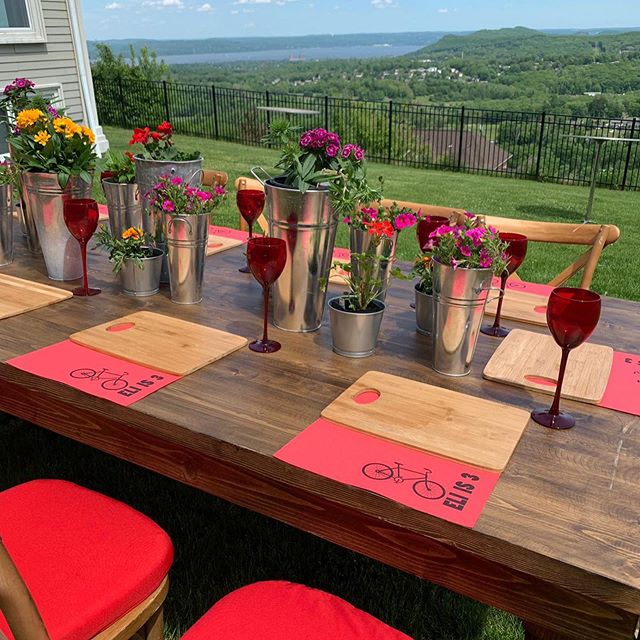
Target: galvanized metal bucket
(459,298)
(149,172)
(361,241)
(187,238)
(307,223)
(124,205)
(424,312)
(354,334)
(45,203)
(27,223)
(143,281)
(6,224)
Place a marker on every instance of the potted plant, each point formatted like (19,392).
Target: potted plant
(321,181)
(185,215)
(356,316)
(135,258)
(360,240)
(56,158)
(424,294)
(7,181)
(122,193)
(465,257)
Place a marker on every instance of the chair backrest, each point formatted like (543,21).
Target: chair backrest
(211,178)
(593,236)
(16,602)
(251,183)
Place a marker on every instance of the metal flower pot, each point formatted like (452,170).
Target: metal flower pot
(424,312)
(187,238)
(143,281)
(6,224)
(307,223)
(360,241)
(27,223)
(45,203)
(124,205)
(459,297)
(354,333)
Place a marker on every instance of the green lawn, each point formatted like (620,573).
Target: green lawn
(618,273)
(220,547)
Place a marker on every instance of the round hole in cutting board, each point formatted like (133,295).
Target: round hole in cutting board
(541,308)
(122,326)
(547,382)
(367,396)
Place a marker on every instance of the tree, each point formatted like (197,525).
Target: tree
(143,66)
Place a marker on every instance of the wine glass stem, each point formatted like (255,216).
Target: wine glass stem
(503,286)
(250,230)
(85,278)
(265,293)
(555,407)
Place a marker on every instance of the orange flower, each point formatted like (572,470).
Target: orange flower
(134,233)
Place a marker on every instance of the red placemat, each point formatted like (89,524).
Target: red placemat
(93,372)
(529,287)
(443,488)
(623,389)
(227,232)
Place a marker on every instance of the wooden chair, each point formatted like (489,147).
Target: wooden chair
(251,183)
(211,178)
(593,236)
(66,577)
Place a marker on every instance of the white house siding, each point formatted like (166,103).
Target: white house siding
(52,62)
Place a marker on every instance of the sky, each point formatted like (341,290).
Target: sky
(179,19)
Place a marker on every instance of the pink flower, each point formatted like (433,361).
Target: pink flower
(469,215)
(306,140)
(346,220)
(176,180)
(465,251)
(454,263)
(332,150)
(21,83)
(158,185)
(204,196)
(168,206)
(220,190)
(492,230)
(485,259)
(404,220)
(358,154)
(369,213)
(346,151)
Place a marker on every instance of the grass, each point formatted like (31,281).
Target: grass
(618,273)
(220,547)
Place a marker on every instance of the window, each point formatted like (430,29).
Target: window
(21,21)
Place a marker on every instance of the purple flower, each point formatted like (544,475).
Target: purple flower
(332,150)
(346,151)
(465,251)
(9,88)
(454,263)
(476,234)
(492,230)
(306,140)
(469,215)
(176,180)
(358,154)
(168,206)
(485,259)
(52,110)
(21,83)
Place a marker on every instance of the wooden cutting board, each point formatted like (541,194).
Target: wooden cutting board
(19,296)
(217,244)
(522,306)
(532,360)
(440,421)
(160,342)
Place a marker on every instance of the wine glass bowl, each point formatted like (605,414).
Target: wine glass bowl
(267,258)
(250,203)
(515,254)
(81,216)
(426,226)
(572,316)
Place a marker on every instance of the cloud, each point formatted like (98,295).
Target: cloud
(112,6)
(205,8)
(162,4)
(384,4)
(443,11)
(252,2)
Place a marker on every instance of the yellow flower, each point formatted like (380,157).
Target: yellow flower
(42,137)
(60,124)
(87,133)
(28,117)
(132,232)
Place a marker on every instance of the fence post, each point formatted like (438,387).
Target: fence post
(626,163)
(123,114)
(390,131)
(166,101)
(215,111)
(540,139)
(326,112)
(461,136)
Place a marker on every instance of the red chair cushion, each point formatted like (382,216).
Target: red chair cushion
(87,559)
(285,611)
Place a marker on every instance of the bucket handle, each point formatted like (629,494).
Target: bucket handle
(257,177)
(175,219)
(500,293)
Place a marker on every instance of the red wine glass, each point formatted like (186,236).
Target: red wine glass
(572,315)
(516,251)
(81,217)
(427,225)
(267,258)
(250,203)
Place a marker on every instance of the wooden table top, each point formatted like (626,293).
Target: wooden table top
(566,510)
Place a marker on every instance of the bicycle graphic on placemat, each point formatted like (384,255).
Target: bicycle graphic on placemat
(423,487)
(109,380)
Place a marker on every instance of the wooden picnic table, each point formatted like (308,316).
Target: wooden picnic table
(557,543)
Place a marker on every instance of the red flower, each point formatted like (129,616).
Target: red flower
(156,136)
(380,228)
(130,156)
(140,136)
(165,128)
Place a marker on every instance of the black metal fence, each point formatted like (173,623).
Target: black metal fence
(539,146)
